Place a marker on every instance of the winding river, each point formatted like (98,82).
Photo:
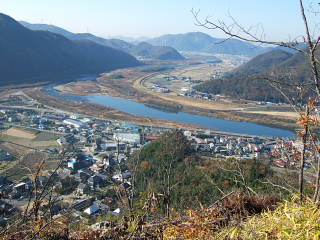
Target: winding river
(144,110)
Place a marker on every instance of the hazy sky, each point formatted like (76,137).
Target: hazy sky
(135,18)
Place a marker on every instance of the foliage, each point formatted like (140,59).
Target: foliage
(252,80)
(168,167)
(116,76)
(157,69)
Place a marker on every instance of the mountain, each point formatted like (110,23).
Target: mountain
(114,43)
(155,52)
(263,62)
(183,42)
(301,45)
(30,54)
(46,27)
(201,42)
(239,85)
(146,50)
(126,39)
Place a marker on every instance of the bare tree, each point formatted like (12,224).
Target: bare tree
(308,116)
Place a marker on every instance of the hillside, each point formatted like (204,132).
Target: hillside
(201,42)
(31,54)
(248,81)
(262,62)
(114,43)
(146,50)
(46,27)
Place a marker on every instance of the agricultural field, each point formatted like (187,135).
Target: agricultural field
(21,144)
(30,139)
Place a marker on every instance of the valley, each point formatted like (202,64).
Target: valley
(135,85)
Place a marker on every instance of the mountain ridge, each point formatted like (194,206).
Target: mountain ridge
(31,54)
(249,80)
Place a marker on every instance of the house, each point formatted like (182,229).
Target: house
(62,129)
(82,188)
(81,176)
(280,163)
(75,123)
(75,116)
(66,139)
(151,138)
(74,164)
(42,180)
(80,203)
(13,119)
(118,210)
(126,175)
(96,181)
(93,209)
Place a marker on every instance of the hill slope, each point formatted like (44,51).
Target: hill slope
(238,85)
(201,42)
(31,54)
(146,50)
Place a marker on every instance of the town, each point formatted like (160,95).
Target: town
(90,173)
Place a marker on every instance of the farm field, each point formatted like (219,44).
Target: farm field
(29,139)
(21,144)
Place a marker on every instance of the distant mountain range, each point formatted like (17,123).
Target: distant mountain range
(247,81)
(151,52)
(32,54)
(194,41)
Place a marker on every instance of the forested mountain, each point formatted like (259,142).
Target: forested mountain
(30,54)
(248,81)
(154,52)
(262,62)
(193,41)
(114,43)
(146,50)
(201,42)
(169,166)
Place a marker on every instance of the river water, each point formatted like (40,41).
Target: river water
(148,111)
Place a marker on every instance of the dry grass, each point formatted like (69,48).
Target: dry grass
(291,220)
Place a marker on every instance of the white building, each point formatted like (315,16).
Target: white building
(73,122)
(127,137)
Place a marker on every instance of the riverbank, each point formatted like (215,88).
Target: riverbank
(99,111)
(130,88)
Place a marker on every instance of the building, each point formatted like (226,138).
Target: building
(66,139)
(75,123)
(127,137)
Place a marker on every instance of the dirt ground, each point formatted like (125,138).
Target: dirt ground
(15,132)
(19,138)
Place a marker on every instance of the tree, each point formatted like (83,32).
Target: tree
(305,104)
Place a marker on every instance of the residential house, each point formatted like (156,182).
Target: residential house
(75,123)
(82,188)
(93,210)
(66,139)
(96,181)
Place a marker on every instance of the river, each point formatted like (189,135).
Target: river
(148,111)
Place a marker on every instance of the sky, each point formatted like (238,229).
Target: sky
(281,19)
